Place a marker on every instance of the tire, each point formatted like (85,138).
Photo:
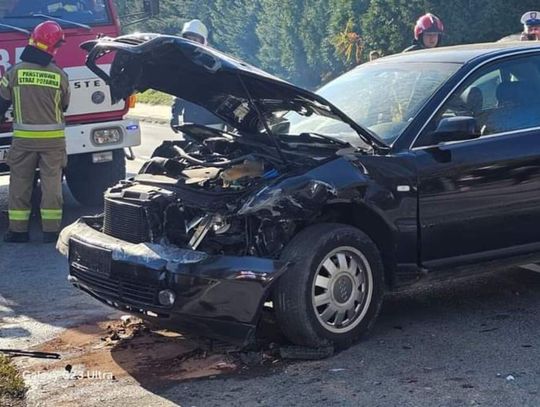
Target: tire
(88,181)
(312,253)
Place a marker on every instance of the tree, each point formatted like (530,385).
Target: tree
(319,52)
(311,41)
(233,27)
(469,21)
(173,15)
(281,50)
(388,24)
(349,44)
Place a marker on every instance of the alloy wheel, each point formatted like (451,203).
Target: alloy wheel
(342,289)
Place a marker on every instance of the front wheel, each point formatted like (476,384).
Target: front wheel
(333,292)
(88,181)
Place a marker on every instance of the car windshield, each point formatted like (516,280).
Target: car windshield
(18,13)
(382,97)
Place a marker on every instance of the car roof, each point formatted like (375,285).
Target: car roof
(461,54)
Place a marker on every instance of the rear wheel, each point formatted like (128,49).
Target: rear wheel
(333,292)
(87,181)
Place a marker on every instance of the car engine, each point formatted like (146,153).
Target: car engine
(188,195)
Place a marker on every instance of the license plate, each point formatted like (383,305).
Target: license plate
(90,259)
(3,154)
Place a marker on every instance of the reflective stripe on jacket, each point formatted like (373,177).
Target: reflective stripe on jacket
(39,95)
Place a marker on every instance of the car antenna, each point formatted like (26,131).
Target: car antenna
(262,119)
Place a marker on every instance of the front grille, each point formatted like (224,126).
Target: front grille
(125,221)
(115,288)
(94,267)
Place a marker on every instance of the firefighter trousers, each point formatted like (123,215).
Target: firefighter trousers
(24,158)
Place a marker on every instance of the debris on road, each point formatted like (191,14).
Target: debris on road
(304,353)
(24,353)
(126,348)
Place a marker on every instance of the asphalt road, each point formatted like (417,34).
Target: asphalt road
(469,342)
(33,275)
(153,136)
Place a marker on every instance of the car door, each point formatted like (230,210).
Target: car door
(479,198)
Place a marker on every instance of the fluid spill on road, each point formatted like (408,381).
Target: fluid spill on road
(127,349)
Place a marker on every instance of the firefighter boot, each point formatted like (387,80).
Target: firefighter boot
(16,237)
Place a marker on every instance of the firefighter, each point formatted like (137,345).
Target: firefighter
(39,93)
(193,30)
(531,26)
(427,33)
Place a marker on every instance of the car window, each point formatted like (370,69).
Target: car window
(382,97)
(502,97)
(20,13)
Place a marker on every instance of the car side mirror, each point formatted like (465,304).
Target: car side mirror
(456,129)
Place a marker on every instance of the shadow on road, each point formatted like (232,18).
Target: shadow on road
(33,287)
(450,336)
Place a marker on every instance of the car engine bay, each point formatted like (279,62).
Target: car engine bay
(190,193)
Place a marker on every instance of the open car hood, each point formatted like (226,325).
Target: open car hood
(204,76)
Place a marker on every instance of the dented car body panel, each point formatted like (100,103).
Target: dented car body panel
(219,296)
(208,217)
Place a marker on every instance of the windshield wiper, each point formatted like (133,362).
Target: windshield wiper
(325,137)
(53,18)
(12,27)
(61,20)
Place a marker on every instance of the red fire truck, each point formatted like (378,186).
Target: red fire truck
(97,132)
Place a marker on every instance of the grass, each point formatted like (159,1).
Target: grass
(154,97)
(12,389)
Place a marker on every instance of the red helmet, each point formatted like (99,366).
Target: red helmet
(48,37)
(428,23)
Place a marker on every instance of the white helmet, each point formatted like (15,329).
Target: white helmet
(197,28)
(531,18)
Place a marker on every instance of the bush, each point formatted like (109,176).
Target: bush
(154,97)
(11,383)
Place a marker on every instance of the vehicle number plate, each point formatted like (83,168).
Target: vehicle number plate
(90,259)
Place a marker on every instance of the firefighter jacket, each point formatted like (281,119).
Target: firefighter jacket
(39,96)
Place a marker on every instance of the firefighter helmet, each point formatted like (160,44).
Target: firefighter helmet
(47,36)
(428,23)
(195,28)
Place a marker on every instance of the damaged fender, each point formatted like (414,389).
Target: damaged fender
(303,196)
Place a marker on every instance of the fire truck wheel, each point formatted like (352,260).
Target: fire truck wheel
(87,181)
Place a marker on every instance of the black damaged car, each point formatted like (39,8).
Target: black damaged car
(314,204)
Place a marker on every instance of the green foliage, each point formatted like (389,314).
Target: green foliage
(11,383)
(348,43)
(233,26)
(469,21)
(308,41)
(388,24)
(174,13)
(154,97)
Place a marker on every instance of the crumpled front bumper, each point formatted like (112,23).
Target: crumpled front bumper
(215,296)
